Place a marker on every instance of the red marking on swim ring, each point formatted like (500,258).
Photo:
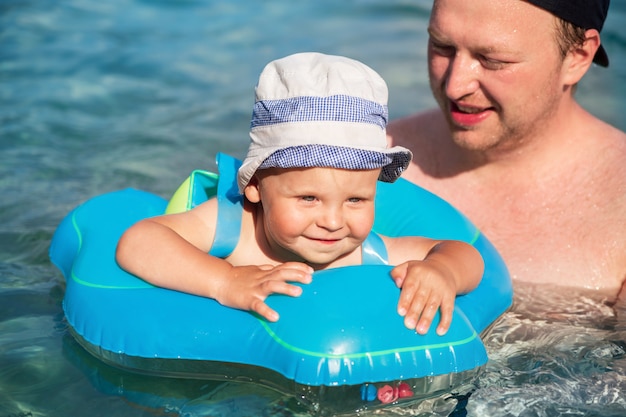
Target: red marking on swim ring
(404,390)
(387,394)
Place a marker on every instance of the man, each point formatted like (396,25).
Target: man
(511,148)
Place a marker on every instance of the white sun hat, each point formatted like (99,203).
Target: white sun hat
(316,110)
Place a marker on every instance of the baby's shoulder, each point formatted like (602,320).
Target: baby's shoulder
(208,208)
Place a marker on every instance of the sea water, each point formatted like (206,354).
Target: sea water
(96,96)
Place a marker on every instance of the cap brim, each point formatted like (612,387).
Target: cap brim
(601,58)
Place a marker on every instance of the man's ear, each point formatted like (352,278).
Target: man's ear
(580,58)
(252,190)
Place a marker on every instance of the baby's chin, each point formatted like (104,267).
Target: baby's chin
(324,262)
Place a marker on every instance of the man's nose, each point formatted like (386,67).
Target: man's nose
(462,78)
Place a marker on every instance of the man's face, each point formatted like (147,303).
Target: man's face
(495,70)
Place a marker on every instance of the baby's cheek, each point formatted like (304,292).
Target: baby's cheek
(362,226)
(288,225)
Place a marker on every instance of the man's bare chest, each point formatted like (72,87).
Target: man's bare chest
(562,239)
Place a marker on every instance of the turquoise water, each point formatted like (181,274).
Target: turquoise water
(97,96)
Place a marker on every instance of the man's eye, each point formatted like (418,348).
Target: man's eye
(443,50)
(491,63)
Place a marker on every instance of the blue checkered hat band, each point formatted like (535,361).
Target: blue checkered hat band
(337,108)
(308,156)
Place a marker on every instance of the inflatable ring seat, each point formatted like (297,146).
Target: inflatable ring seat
(341,343)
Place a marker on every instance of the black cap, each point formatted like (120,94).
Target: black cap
(587,14)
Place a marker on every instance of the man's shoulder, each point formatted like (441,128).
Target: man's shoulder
(598,131)
(617,135)
(607,145)
(426,117)
(409,130)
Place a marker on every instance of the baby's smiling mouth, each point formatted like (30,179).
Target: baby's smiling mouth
(324,240)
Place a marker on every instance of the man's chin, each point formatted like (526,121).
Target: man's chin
(474,141)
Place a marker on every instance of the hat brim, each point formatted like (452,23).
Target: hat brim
(391,161)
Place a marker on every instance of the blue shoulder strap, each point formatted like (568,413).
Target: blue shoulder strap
(229,207)
(373,251)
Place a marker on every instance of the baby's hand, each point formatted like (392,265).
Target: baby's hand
(247,287)
(426,286)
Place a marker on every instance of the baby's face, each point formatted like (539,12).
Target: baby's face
(317,215)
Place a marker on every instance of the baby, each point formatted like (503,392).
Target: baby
(307,185)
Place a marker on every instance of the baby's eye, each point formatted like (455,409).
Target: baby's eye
(308,198)
(355,199)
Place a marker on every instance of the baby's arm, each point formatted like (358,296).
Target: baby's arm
(170,251)
(447,268)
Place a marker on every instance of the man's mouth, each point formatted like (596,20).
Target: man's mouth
(468,115)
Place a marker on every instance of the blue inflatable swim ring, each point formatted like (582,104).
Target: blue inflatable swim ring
(341,338)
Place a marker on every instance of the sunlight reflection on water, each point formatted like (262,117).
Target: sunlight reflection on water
(99,96)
